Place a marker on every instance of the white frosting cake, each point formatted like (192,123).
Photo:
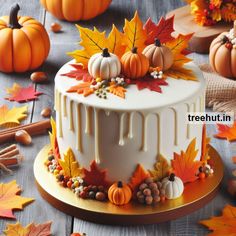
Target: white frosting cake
(121,133)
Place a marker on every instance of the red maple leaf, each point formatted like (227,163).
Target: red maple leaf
(95,176)
(21,94)
(149,83)
(162,30)
(79,73)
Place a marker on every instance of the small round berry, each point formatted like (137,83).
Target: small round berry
(148,200)
(143,186)
(100,196)
(147,192)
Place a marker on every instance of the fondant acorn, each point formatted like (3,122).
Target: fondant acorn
(24,42)
(223,54)
(75,10)
(159,55)
(173,186)
(119,193)
(105,65)
(134,64)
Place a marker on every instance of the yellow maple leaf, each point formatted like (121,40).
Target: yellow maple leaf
(222,225)
(13,116)
(70,165)
(117,90)
(17,230)
(161,168)
(80,56)
(53,140)
(134,33)
(115,42)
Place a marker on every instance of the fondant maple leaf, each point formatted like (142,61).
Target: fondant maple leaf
(70,165)
(184,164)
(30,230)
(222,225)
(21,94)
(162,30)
(81,88)
(80,56)
(10,199)
(117,90)
(95,176)
(226,132)
(80,73)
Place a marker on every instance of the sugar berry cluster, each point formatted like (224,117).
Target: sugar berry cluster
(150,192)
(205,171)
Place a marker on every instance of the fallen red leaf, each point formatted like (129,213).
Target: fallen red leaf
(226,132)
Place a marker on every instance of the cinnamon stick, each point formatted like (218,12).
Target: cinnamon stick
(8,149)
(10,154)
(12,161)
(36,128)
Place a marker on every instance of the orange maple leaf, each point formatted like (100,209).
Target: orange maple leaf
(134,33)
(81,88)
(10,199)
(138,177)
(226,132)
(117,90)
(205,145)
(222,225)
(184,164)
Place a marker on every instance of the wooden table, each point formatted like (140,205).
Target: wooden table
(40,211)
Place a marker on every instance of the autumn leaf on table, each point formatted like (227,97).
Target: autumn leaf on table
(134,33)
(53,140)
(205,145)
(13,116)
(30,230)
(138,177)
(80,56)
(222,225)
(80,73)
(70,165)
(184,164)
(162,30)
(161,168)
(95,176)
(21,94)
(226,132)
(81,88)
(10,199)
(117,90)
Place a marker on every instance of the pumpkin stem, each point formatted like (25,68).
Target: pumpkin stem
(119,184)
(13,18)
(105,52)
(172,177)
(157,42)
(135,50)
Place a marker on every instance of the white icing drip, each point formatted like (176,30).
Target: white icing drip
(71,116)
(79,128)
(188,125)
(176,126)
(158,134)
(107,113)
(64,106)
(88,120)
(121,131)
(144,133)
(56,100)
(60,115)
(96,135)
(130,125)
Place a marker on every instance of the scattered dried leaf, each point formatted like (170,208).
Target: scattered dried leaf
(226,132)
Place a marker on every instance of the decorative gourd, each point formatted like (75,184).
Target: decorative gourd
(24,43)
(75,10)
(119,193)
(223,54)
(173,186)
(159,55)
(134,64)
(105,65)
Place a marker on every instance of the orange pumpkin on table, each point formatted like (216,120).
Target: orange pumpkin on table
(75,10)
(134,64)
(223,54)
(24,43)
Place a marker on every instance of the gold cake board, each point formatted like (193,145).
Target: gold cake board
(195,196)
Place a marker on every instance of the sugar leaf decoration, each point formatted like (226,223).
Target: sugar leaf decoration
(226,132)
(10,199)
(161,168)
(117,90)
(70,165)
(22,94)
(12,117)
(81,88)
(30,230)
(222,225)
(80,56)
(95,176)
(184,164)
(139,175)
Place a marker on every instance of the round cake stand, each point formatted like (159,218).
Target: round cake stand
(195,196)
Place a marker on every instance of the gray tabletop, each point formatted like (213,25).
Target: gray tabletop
(40,211)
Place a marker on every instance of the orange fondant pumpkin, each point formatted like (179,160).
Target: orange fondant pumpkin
(24,43)
(134,64)
(75,10)
(159,55)
(119,193)
(223,54)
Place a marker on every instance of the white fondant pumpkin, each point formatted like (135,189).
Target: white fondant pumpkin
(173,186)
(105,65)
